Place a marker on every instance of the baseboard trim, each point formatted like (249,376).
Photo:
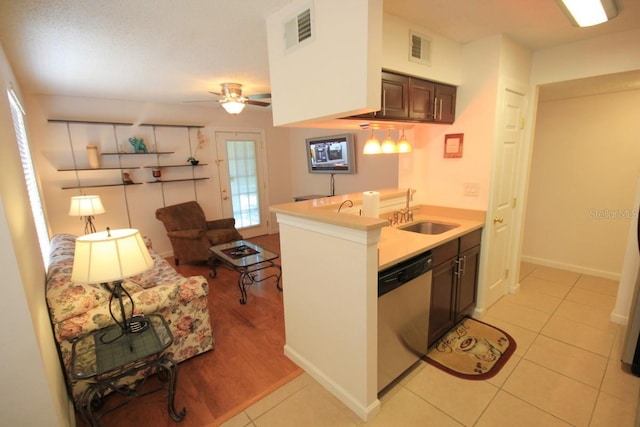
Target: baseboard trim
(619,318)
(366,413)
(515,288)
(571,267)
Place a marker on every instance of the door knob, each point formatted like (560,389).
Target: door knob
(498,219)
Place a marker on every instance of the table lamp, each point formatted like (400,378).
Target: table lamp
(108,257)
(87,207)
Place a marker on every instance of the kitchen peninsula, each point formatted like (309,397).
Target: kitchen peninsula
(330,264)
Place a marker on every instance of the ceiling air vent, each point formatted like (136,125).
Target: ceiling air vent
(419,48)
(298,29)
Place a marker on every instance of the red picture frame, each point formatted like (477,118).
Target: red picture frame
(453,145)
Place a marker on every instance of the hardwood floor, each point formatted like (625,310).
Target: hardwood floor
(247,363)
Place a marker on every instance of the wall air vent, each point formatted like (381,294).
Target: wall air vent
(298,29)
(419,48)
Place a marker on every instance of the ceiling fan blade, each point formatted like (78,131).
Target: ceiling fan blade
(259,96)
(259,103)
(216,93)
(203,100)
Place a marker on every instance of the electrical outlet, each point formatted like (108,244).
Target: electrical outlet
(471,189)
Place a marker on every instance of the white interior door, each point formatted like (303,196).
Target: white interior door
(503,201)
(241,164)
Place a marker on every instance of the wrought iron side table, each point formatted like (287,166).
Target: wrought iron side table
(246,258)
(105,356)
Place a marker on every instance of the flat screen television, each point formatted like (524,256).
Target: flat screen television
(331,154)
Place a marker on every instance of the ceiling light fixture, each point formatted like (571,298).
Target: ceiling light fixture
(585,13)
(388,145)
(403,145)
(372,146)
(233,107)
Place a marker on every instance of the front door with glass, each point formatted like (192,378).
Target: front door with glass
(242,180)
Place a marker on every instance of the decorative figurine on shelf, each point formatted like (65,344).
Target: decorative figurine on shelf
(126,178)
(138,145)
(202,141)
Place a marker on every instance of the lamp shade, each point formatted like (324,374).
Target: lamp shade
(403,145)
(388,146)
(109,256)
(233,107)
(372,146)
(86,206)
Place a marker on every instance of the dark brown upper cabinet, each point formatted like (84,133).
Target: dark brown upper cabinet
(406,98)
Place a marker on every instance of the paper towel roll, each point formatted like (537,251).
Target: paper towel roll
(371,204)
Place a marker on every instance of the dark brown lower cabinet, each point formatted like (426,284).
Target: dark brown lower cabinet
(455,282)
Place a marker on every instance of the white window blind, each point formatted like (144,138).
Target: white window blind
(17,113)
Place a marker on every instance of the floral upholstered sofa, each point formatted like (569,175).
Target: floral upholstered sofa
(76,309)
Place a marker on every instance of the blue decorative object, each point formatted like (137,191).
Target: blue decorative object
(138,145)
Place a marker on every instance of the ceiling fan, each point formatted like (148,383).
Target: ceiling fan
(234,102)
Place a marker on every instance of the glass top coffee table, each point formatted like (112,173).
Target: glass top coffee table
(248,259)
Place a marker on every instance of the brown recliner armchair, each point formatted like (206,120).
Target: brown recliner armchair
(191,234)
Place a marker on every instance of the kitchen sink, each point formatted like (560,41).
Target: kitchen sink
(429,227)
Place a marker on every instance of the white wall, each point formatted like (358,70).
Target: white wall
(609,54)
(31,376)
(440,180)
(446,55)
(615,53)
(331,307)
(337,72)
(585,160)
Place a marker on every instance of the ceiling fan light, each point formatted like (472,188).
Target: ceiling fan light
(233,107)
(585,13)
(372,146)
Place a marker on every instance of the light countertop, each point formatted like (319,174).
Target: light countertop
(395,245)
(325,210)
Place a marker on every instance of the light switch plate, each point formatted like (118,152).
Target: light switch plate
(471,189)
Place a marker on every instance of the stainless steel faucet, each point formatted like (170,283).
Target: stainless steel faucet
(405,214)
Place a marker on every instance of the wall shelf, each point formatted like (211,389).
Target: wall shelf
(174,166)
(171,126)
(101,185)
(89,122)
(97,169)
(119,155)
(136,154)
(159,181)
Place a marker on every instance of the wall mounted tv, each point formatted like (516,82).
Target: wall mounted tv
(331,154)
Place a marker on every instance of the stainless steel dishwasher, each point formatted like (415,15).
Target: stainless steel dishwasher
(404,296)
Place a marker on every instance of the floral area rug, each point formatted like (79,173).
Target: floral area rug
(472,350)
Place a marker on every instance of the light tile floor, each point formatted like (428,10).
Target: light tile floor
(565,371)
